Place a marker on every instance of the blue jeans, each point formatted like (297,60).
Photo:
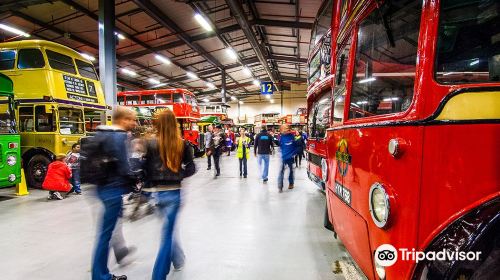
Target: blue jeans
(75,180)
(265,170)
(284,163)
(111,197)
(168,203)
(243,166)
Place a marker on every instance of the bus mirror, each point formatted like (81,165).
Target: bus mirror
(16,104)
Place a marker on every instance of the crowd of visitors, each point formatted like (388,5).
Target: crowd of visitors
(152,167)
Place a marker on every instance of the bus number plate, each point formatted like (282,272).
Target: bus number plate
(343,193)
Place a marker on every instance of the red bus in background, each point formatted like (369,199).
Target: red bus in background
(181,101)
(319,93)
(409,116)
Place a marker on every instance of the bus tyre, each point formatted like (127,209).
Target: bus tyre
(36,170)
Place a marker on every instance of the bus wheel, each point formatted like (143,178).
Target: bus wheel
(37,168)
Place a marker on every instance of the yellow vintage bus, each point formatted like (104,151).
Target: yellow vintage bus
(56,90)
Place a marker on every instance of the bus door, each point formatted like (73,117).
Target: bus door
(341,197)
(380,159)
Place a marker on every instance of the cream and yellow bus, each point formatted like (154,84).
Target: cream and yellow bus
(56,90)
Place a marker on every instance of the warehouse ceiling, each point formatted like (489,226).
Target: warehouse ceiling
(270,39)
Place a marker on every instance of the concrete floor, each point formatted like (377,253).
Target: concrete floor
(230,228)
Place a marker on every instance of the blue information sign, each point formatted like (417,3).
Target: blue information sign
(266,88)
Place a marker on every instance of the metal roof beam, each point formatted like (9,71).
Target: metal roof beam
(282,23)
(155,13)
(241,18)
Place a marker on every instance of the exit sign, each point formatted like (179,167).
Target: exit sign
(266,88)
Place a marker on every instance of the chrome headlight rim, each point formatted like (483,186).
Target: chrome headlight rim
(11,160)
(379,223)
(324,169)
(12,177)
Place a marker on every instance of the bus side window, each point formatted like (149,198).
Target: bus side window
(26,119)
(386,57)
(29,59)
(44,121)
(339,91)
(120,100)
(7,58)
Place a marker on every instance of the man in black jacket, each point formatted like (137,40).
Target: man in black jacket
(118,183)
(263,147)
(219,138)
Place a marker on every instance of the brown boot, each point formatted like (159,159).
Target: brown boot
(290,187)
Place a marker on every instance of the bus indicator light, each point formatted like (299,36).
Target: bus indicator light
(13,145)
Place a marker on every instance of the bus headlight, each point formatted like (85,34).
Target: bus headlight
(379,205)
(12,177)
(380,271)
(11,160)
(324,170)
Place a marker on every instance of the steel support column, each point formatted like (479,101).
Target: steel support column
(107,50)
(223,86)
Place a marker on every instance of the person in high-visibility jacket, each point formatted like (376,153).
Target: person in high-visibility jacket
(243,151)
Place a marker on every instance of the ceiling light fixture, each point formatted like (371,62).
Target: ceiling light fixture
(87,56)
(162,59)
(272,100)
(241,102)
(153,81)
(210,85)
(234,98)
(191,75)
(247,71)
(268,96)
(14,30)
(203,22)
(120,36)
(256,82)
(129,72)
(231,53)
(206,100)
(371,79)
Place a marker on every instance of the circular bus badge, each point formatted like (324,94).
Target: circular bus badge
(386,255)
(343,157)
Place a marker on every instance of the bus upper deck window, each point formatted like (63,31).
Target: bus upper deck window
(148,99)
(30,58)
(177,97)
(386,57)
(61,62)
(86,69)
(163,98)
(468,48)
(7,59)
(120,100)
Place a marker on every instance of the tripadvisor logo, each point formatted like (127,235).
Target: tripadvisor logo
(387,255)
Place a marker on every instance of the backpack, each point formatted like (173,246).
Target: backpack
(94,164)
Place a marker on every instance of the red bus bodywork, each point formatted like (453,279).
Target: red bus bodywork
(181,101)
(444,174)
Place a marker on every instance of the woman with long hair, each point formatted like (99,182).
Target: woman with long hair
(168,160)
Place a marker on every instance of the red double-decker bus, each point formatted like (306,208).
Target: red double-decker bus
(181,101)
(319,92)
(411,165)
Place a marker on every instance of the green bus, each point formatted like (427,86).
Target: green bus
(10,147)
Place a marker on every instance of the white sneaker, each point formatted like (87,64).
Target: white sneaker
(58,196)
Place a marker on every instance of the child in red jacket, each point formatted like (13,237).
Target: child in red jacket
(57,178)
